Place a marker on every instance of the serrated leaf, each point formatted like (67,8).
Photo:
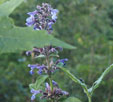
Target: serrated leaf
(14,39)
(72,99)
(38,82)
(8,7)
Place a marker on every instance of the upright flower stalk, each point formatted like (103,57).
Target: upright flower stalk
(52,90)
(42,19)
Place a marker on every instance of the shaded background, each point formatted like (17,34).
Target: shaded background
(86,24)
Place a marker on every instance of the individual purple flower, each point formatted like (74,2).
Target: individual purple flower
(59,48)
(65,93)
(62,61)
(48,88)
(43,51)
(34,93)
(32,13)
(40,68)
(28,53)
(30,21)
(55,83)
(32,68)
(54,14)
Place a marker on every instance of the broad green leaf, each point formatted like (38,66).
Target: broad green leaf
(8,7)
(38,82)
(13,39)
(72,99)
(98,82)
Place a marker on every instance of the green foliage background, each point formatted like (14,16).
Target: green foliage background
(86,24)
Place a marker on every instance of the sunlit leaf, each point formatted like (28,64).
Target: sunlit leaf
(7,7)
(14,39)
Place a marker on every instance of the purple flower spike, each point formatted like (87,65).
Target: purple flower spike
(42,18)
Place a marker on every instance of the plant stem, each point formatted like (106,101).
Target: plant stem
(88,94)
(89,98)
(49,72)
(50,81)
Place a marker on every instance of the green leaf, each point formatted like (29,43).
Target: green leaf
(2,1)
(72,99)
(8,7)
(76,80)
(14,39)
(98,82)
(38,82)
(41,56)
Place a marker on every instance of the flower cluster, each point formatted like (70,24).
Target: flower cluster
(42,18)
(46,52)
(54,94)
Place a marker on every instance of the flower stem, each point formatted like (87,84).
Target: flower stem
(50,81)
(49,72)
(89,98)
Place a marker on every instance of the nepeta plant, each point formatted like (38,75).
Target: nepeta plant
(42,19)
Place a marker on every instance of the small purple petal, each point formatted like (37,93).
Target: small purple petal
(53,50)
(40,72)
(33,97)
(31,72)
(54,83)
(28,53)
(48,87)
(30,21)
(34,92)
(62,61)
(65,93)
(54,12)
(32,13)
(59,48)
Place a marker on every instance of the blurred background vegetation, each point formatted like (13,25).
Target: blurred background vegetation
(86,24)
